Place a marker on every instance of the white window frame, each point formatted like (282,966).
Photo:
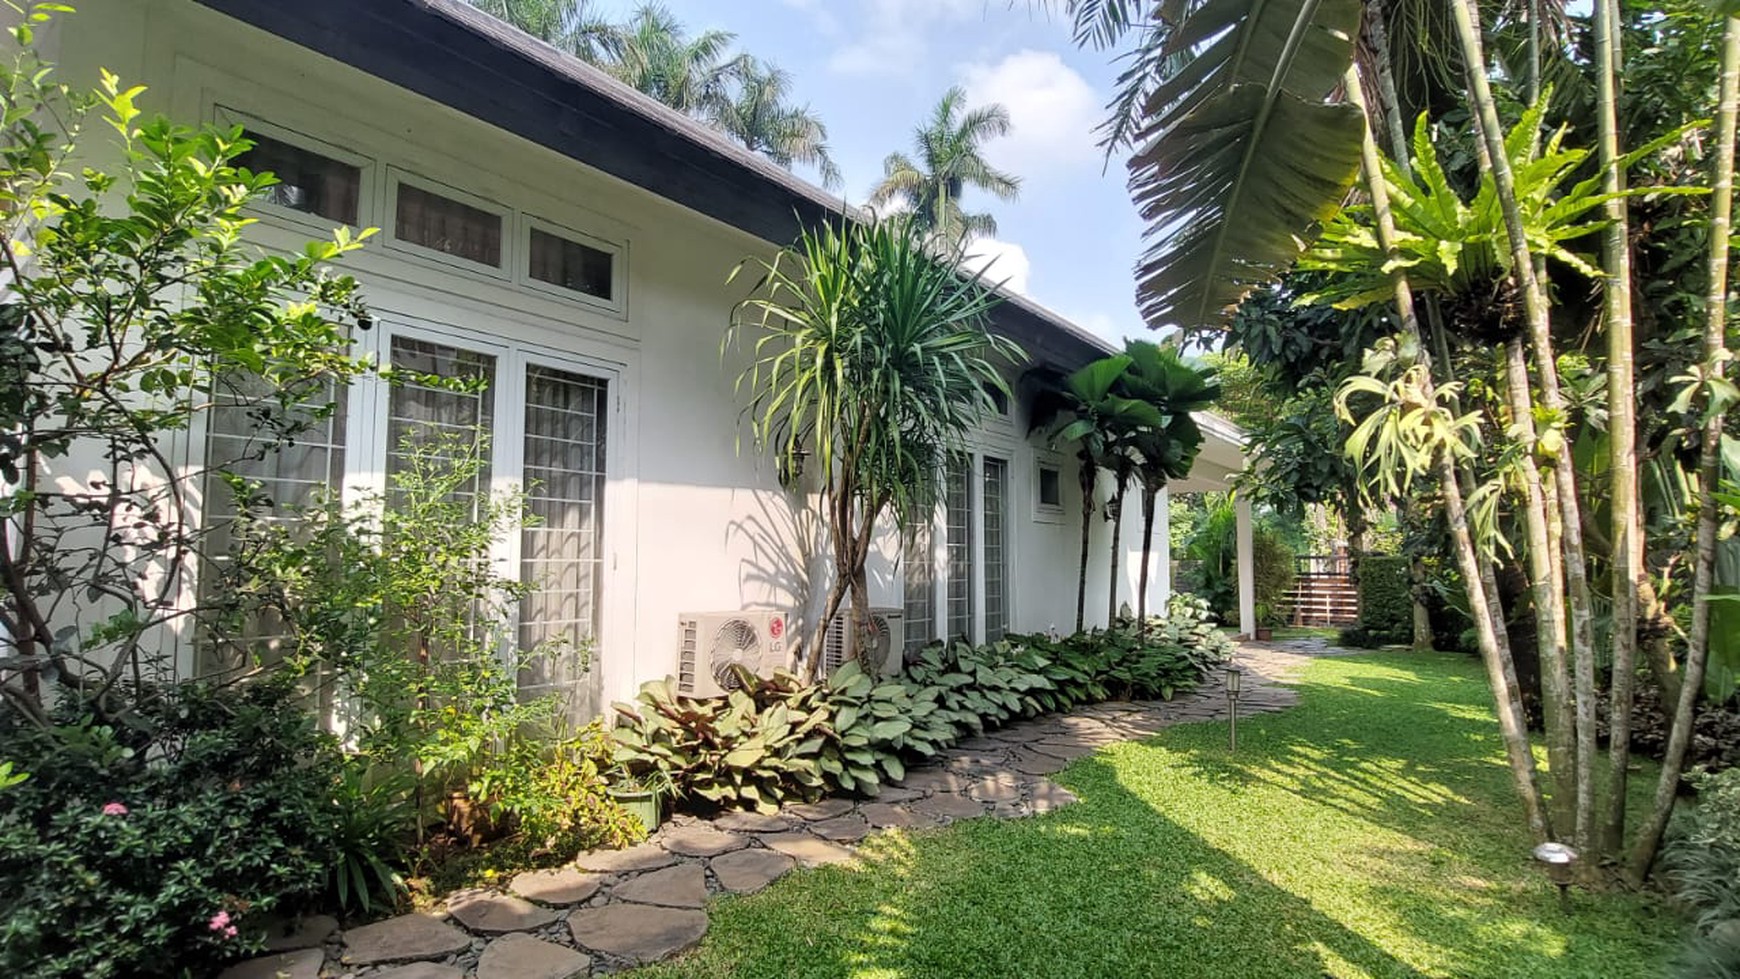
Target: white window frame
(366,454)
(617,304)
(396,176)
(1047,513)
(367,180)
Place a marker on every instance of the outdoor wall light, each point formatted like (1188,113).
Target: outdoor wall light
(1234,683)
(1558,860)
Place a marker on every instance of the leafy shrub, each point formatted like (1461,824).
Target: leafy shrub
(141,848)
(1356,637)
(1703,858)
(1386,598)
(778,739)
(726,751)
(1214,549)
(548,786)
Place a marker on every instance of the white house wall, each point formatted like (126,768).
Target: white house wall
(693,521)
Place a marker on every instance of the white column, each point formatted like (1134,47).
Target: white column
(1160,577)
(1247,568)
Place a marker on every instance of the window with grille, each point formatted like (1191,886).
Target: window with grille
(291,460)
(572,265)
(958,507)
(442,224)
(995,498)
(920,605)
(437,419)
(561,546)
(307,181)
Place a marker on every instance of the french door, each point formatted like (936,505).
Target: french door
(544,422)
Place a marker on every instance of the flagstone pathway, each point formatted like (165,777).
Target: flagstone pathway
(611,910)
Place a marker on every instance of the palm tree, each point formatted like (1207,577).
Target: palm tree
(570,25)
(949,161)
(759,115)
(654,54)
(1162,378)
(872,360)
(1085,408)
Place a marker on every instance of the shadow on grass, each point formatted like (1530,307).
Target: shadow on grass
(1368,832)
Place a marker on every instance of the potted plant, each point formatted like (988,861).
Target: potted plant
(640,793)
(1265,622)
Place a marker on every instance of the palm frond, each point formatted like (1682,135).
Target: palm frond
(1243,155)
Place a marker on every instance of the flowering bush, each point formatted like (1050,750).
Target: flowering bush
(143,848)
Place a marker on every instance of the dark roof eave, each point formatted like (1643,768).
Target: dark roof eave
(452,53)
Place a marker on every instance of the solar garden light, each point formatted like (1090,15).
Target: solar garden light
(1234,680)
(1558,860)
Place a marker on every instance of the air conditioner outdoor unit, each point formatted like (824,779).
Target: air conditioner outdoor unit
(883,653)
(709,644)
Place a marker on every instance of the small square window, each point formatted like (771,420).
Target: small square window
(999,398)
(572,265)
(1050,487)
(446,225)
(307,181)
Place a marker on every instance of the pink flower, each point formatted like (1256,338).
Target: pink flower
(230,932)
(114,809)
(220,922)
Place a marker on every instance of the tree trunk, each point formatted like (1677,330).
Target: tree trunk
(1150,499)
(1117,506)
(1543,554)
(1540,335)
(1422,615)
(1389,105)
(1087,474)
(1710,464)
(1501,673)
(1628,539)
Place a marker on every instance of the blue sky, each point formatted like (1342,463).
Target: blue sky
(873,68)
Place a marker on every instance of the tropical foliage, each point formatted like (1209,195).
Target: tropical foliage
(779,739)
(747,98)
(869,362)
(949,162)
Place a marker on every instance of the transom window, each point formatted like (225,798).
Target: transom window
(572,265)
(429,220)
(307,181)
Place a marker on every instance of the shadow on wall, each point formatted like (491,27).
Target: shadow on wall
(787,563)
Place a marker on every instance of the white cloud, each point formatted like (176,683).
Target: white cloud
(1003,263)
(1052,110)
(892,37)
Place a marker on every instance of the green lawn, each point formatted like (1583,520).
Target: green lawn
(1368,832)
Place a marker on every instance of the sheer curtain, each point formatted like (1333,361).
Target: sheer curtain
(561,546)
(958,505)
(996,497)
(920,588)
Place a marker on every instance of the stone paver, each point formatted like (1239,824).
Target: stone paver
(309,932)
(644,856)
(947,805)
(818,811)
(1034,763)
(748,871)
(420,970)
(895,794)
(647,902)
(406,938)
(849,828)
(882,815)
(525,957)
(807,850)
(564,885)
(682,886)
(300,964)
(702,840)
(490,913)
(750,822)
(640,934)
(1001,787)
